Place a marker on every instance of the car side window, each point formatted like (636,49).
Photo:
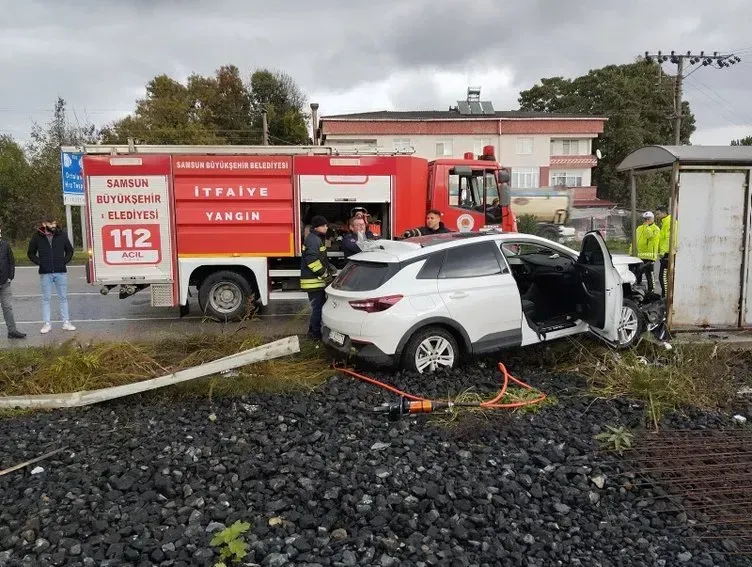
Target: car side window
(511,249)
(591,253)
(470,261)
(430,270)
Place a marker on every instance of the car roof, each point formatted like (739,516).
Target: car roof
(401,250)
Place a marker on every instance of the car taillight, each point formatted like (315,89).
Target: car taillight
(375,304)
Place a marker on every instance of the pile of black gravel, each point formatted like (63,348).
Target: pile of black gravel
(325,482)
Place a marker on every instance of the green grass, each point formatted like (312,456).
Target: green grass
(72,366)
(699,375)
(19,252)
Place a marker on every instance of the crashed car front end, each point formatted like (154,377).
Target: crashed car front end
(652,305)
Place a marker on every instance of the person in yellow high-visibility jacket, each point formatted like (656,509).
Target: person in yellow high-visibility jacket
(668,231)
(648,240)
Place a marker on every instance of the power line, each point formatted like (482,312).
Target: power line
(734,111)
(718,61)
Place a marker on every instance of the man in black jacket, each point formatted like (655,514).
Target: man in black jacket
(433,226)
(7,273)
(358,232)
(316,272)
(51,250)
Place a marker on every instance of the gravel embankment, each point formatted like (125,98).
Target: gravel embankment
(325,483)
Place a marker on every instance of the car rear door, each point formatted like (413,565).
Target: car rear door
(602,293)
(480,293)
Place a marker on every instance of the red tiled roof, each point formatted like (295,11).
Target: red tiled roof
(454,114)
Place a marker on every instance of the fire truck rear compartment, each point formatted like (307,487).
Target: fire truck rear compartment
(338,215)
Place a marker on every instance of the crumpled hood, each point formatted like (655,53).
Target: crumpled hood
(622,263)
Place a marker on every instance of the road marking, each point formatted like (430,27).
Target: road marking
(15,296)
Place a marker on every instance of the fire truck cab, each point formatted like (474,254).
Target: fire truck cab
(226,223)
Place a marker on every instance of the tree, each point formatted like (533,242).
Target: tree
(15,189)
(169,114)
(638,108)
(284,102)
(747,141)
(221,109)
(44,194)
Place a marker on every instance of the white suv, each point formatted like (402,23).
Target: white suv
(423,302)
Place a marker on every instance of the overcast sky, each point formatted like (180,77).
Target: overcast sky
(358,55)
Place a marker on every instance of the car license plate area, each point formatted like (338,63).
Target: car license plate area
(337,338)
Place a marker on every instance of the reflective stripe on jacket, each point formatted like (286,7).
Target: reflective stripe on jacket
(667,226)
(314,263)
(648,237)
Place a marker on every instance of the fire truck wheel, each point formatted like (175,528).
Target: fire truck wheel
(226,296)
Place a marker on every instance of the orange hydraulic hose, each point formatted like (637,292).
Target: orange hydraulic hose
(488,404)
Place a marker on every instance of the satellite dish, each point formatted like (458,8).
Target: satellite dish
(598,154)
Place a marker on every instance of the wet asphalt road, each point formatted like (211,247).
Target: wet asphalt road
(110,318)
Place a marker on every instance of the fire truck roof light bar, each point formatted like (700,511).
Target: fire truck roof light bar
(107,149)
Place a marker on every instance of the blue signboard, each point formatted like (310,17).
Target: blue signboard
(73,180)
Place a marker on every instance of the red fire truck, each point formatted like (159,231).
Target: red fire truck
(228,221)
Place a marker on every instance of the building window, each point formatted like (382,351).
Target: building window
(480,143)
(525,177)
(566,178)
(402,144)
(444,148)
(524,146)
(569,147)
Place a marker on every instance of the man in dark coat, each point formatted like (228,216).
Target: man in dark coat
(51,250)
(7,273)
(433,226)
(358,232)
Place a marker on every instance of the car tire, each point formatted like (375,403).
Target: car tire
(631,325)
(226,296)
(431,349)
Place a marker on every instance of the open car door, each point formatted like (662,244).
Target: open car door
(602,294)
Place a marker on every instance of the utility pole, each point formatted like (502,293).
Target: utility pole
(264,128)
(678,93)
(719,61)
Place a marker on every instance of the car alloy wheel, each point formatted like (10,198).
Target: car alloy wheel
(430,349)
(630,325)
(434,353)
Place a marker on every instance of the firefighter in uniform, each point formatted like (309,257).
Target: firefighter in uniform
(433,226)
(316,272)
(662,216)
(648,235)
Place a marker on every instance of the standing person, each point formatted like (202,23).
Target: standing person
(316,272)
(433,226)
(7,273)
(358,232)
(663,217)
(648,235)
(51,250)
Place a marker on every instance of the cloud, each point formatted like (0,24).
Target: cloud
(356,56)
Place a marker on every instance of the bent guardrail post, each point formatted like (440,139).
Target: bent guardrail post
(276,349)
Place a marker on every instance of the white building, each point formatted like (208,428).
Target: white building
(540,149)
